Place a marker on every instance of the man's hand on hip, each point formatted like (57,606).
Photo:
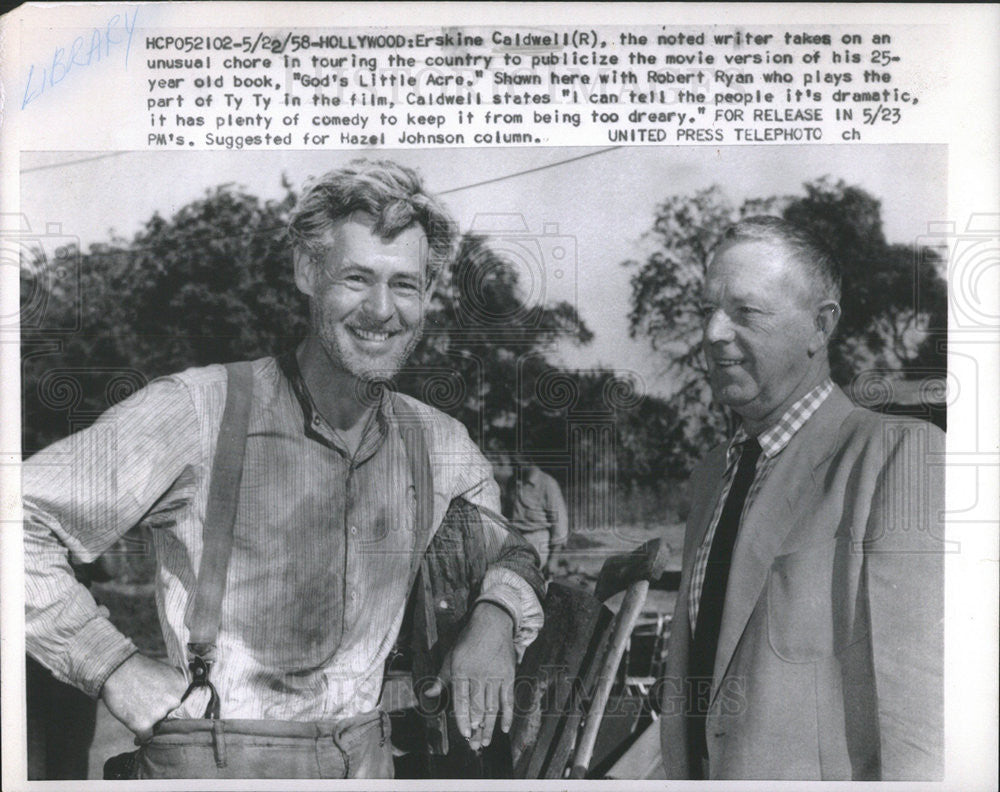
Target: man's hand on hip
(141,691)
(480,669)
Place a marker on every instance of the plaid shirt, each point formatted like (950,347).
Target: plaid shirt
(772,442)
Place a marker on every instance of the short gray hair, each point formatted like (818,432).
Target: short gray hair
(389,192)
(819,264)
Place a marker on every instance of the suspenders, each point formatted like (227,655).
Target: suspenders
(205,609)
(417,456)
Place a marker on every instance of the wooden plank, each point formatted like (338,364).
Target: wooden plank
(549,687)
(624,621)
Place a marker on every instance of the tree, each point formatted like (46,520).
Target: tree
(893,293)
(483,342)
(211,284)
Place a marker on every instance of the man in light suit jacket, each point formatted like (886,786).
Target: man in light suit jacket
(807,640)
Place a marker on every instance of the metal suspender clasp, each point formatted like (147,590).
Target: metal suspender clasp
(200,667)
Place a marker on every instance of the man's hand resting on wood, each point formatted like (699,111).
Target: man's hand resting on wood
(480,669)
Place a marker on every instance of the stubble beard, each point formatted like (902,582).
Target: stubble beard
(333,337)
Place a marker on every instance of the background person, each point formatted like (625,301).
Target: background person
(536,507)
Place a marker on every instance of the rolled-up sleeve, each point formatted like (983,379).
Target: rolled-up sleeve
(81,495)
(511,592)
(513,580)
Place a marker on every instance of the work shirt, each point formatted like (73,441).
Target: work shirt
(772,442)
(323,541)
(536,504)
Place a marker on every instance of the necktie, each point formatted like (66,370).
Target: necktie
(701,660)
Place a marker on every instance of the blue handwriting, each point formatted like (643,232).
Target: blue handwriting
(117,30)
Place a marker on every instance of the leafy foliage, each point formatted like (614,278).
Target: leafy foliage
(483,342)
(211,285)
(892,292)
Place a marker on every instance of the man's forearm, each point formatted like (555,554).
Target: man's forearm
(558,516)
(512,579)
(66,631)
(496,615)
(81,495)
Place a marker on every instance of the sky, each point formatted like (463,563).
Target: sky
(582,210)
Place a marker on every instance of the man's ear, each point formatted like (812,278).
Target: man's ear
(827,316)
(305,272)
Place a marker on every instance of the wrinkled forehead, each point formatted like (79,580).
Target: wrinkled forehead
(759,268)
(353,239)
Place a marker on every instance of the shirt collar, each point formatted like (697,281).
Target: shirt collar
(773,440)
(318,428)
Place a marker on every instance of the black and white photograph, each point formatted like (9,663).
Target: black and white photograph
(495,463)
(565,341)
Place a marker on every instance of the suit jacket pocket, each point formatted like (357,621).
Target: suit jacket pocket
(811,596)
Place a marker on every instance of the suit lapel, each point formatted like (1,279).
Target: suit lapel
(769,521)
(701,514)
(766,525)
